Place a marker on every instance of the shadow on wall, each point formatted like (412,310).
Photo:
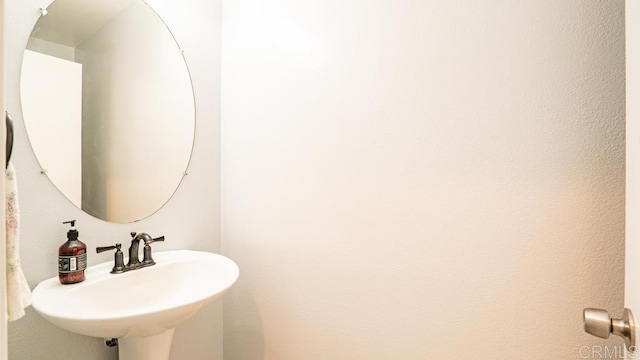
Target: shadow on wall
(36,337)
(245,332)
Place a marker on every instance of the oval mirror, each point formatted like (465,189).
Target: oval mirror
(108,106)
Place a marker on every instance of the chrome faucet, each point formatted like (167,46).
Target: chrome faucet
(134,260)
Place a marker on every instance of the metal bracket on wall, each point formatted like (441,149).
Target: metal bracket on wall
(597,322)
(111,342)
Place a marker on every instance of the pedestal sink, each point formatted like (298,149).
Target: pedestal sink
(141,307)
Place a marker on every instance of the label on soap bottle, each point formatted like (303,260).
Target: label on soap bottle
(69,264)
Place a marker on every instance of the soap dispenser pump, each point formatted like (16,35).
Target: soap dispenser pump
(72,257)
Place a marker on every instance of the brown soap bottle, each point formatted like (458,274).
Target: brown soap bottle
(72,257)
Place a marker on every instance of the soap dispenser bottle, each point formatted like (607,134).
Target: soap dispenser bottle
(72,257)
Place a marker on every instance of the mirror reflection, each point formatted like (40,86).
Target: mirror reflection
(108,106)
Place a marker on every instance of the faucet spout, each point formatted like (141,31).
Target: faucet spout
(134,258)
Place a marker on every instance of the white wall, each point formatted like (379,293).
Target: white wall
(51,93)
(3,276)
(632,79)
(189,220)
(421,179)
(51,48)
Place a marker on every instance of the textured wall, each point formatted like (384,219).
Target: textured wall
(189,220)
(632,54)
(421,179)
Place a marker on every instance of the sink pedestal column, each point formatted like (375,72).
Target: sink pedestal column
(156,347)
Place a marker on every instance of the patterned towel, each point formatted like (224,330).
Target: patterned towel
(18,292)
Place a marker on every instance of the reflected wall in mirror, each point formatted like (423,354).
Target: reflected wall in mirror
(108,106)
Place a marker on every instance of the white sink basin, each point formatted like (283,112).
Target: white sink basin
(141,303)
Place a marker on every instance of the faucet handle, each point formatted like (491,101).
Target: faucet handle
(118,257)
(151,241)
(147,260)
